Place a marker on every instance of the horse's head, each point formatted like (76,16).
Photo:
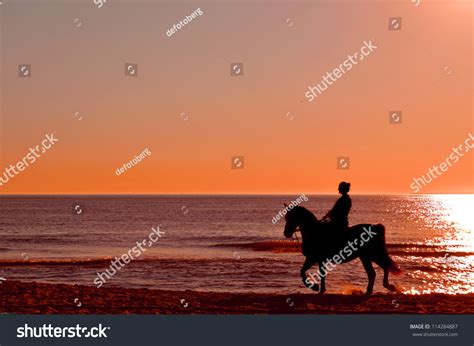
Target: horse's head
(296,218)
(292,221)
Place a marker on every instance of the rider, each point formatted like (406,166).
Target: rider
(338,215)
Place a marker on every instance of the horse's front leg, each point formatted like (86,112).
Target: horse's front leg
(322,276)
(308,263)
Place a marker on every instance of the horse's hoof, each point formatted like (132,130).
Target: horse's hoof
(321,292)
(391,288)
(368,293)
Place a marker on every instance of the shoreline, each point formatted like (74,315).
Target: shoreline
(44,298)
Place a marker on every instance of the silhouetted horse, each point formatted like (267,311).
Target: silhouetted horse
(322,242)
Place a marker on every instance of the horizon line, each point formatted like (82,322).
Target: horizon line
(229,194)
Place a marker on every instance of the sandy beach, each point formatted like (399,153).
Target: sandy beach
(40,298)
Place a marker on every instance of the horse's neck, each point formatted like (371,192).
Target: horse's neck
(308,227)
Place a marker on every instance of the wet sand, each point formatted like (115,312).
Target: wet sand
(40,298)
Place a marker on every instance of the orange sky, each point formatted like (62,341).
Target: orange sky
(82,70)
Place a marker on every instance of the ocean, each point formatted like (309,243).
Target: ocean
(228,243)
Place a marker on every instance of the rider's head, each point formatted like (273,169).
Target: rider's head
(344,187)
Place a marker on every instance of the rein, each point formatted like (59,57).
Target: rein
(295,237)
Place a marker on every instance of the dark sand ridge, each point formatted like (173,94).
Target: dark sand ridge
(40,298)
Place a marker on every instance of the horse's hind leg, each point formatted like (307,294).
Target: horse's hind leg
(369,269)
(386,271)
(308,263)
(386,284)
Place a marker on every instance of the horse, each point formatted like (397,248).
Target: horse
(323,244)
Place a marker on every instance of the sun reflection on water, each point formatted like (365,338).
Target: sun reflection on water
(451,268)
(459,210)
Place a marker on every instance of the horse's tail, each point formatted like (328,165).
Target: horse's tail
(393,267)
(387,261)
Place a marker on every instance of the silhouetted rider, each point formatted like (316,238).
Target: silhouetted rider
(338,215)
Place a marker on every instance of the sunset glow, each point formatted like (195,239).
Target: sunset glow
(194,116)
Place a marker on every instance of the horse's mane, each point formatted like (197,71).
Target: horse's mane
(305,213)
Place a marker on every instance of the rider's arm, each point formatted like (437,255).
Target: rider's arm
(329,213)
